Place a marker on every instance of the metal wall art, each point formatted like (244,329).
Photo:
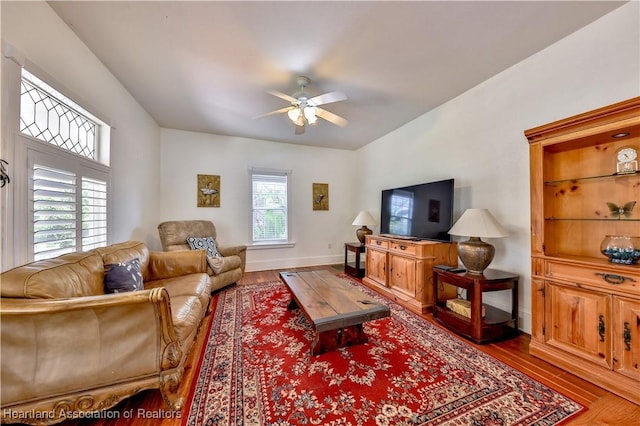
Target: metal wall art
(208,191)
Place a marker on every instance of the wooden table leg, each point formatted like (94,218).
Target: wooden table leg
(330,340)
(476,312)
(353,335)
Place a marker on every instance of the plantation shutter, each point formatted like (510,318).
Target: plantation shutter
(69,212)
(54,212)
(269,206)
(94,213)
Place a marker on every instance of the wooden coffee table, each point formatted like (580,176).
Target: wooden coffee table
(335,309)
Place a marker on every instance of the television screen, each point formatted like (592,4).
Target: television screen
(423,211)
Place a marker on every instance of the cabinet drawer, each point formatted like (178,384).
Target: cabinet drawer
(402,247)
(610,279)
(374,242)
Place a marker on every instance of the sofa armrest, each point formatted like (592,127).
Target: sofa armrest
(56,347)
(171,264)
(240,251)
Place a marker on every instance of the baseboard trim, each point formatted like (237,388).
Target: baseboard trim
(297,262)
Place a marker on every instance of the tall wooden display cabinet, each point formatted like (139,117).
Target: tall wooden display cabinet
(585,308)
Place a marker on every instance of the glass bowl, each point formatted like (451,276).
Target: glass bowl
(621,249)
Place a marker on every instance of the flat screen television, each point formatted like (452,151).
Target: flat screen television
(420,212)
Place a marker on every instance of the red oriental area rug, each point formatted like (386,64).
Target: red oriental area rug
(257,370)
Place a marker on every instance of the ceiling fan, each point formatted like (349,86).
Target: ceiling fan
(305,110)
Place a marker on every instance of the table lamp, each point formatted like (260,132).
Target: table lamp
(364,218)
(476,254)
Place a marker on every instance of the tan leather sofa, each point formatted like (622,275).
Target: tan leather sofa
(174,234)
(68,348)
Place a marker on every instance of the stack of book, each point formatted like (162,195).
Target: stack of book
(462,307)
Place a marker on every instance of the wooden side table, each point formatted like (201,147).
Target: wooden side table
(354,268)
(496,323)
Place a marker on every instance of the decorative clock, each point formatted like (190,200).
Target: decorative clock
(627,158)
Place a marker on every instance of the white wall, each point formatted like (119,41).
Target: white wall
(478,137)
(184,155)
(44,40)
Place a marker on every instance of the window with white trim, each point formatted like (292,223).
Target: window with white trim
(270,206)
(68,186)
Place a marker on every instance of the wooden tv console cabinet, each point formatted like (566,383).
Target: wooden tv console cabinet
(402,269)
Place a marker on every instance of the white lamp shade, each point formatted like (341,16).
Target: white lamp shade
(364,218)
(478,223)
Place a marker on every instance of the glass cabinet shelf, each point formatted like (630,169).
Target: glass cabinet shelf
(586,178)
(595,219)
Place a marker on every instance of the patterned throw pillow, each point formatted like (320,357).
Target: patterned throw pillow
(123,277)
(204,243)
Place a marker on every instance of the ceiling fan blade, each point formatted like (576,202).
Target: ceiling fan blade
(328,98)
(331,117)
(278,111)
(282,96)
(300,129)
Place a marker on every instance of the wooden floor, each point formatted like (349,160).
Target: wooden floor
(604,408)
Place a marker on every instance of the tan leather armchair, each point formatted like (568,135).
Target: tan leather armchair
(174,234)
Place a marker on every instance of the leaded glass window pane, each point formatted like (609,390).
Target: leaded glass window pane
(48,116)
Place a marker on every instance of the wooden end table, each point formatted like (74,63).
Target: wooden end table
(496,324)
(355,269)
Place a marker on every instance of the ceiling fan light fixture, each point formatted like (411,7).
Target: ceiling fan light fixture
(304,110)
(297,116)
(294,114)
(310,114)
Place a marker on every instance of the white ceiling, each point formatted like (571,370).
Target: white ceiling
(205,66)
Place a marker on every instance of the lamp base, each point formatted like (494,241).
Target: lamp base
(475,254)
(363,232)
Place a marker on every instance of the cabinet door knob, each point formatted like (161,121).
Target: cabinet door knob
(614,279)
(403,247)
